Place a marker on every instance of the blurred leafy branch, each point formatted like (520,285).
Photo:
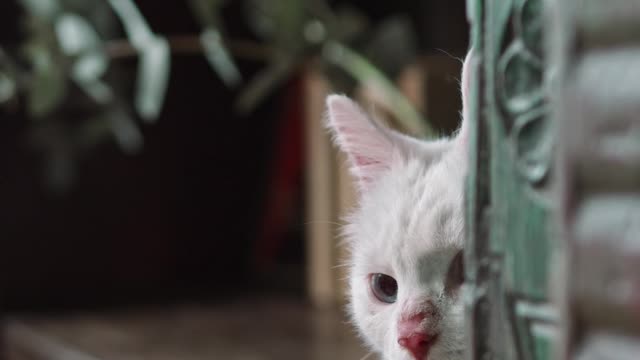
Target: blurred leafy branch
(73,47)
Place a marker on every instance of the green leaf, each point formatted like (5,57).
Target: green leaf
(90,67)
(135,25)
(315,32)
(155,59)
(281,21)
(46,9)
(48,83)
(219,58)
(7,87)
(261,18)
(87,71)
(125,130)
(78,39)
(263,83)
(347,24)
(208,14)
(75,35)
(290,17)
(153,78)
(392,46)
(207,11)
(114,122)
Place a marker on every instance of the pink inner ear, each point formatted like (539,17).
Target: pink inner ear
(366,169)
(367,146)
(364,161)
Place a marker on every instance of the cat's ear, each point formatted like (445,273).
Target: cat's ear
(368,146)
(468,68)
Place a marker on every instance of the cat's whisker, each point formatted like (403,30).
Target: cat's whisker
(461,60)
(311,222)
(340,266)
(454,351)
(367,356)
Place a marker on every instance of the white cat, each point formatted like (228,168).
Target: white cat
(405,235)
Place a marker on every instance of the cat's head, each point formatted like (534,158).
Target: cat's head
(405,235)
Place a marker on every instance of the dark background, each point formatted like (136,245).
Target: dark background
(184,218)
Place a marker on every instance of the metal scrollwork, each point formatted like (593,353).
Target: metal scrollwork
(522,93)
(510,313)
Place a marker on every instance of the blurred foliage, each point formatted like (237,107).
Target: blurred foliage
(67,53)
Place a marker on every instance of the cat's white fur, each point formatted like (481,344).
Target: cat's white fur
(408,224)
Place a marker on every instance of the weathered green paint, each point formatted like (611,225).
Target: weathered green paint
(509,207)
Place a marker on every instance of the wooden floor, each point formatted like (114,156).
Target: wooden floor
(263,330)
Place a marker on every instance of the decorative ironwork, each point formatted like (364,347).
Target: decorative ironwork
(522,94)
(512,142)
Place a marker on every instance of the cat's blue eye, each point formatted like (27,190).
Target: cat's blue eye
(384,288)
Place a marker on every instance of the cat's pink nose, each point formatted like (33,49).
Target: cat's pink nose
(417,344)
(413,337)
